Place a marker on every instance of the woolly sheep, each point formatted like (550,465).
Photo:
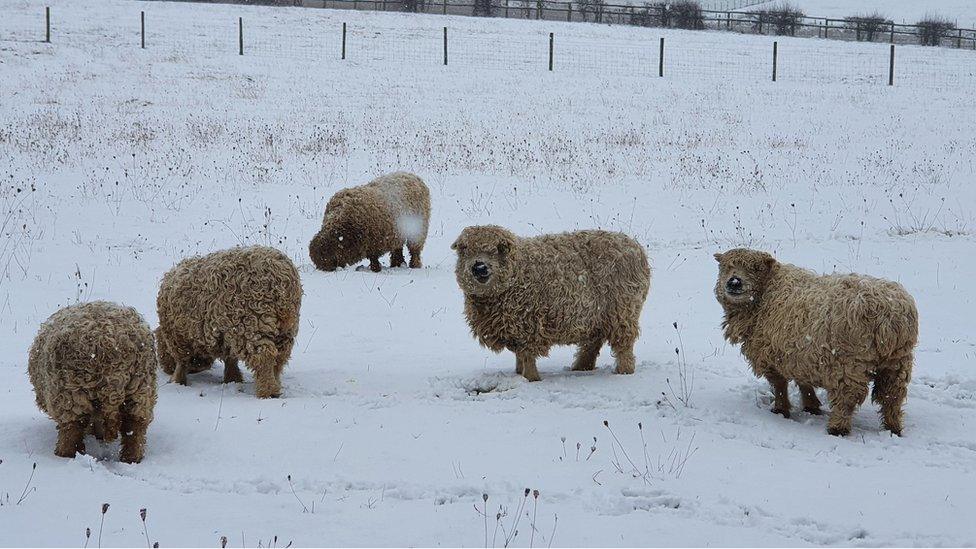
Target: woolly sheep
(236,304)
(93,368)
(527,294)
(372,220)
(837,331)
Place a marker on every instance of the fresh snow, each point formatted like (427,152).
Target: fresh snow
(116,162)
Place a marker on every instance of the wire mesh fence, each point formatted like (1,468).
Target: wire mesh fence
(268,36)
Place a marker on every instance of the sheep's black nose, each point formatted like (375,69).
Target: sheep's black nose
(479,270)
(734,284)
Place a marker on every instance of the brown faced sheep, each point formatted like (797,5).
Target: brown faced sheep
(237,304)
(833,331)
(93,368)
(528,294)
(372,220)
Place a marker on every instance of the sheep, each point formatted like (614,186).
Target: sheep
(93,368)
(527,294)
(371,220)
(837,331)
(236,304)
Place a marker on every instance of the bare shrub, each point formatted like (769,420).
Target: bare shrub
(483,8)
(595,8)
(867,26)
(413,6)
(683,14)
(783,18)
(933,29)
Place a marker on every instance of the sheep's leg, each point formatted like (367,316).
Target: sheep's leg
(890,391)
(525,365)
(374,264)
(844,400)
(266,379)
(133,438)
(587,354)
(811,404)
(179,375)
(623,352)
(71,438)
(415,249)
(781,397)
(396,258)
(232,373)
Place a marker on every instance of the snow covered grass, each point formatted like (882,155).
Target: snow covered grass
(116,162)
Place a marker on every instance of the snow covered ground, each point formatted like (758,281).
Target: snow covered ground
(116,162)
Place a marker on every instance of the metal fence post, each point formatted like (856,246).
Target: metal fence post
(445,7)
(343,40)
(142,24)
(445,46)
(660,60)
(891,67)
(240,34)
(774,60)
(47,24)
(550,51)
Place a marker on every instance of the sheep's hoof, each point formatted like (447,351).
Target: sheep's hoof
(813,411)
(415,264)
(782,412)
(270,395)
(896,432)
(838,431)
(622,370)
(532,377)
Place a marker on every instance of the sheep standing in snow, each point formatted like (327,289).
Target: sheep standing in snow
(93,368)
(839,332)
(237,304)
(371,220)
(528,294)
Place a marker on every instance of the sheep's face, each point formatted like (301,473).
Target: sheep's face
(337,245)
(742,275)
(484,265)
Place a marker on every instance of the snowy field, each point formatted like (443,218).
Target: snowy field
(963,12)
(116,162)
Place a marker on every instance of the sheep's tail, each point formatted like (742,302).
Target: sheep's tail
(105,424)
(897,330)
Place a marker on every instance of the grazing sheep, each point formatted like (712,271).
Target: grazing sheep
(836,331)
(237,304)
(528,294)
(372,220)
(93,368)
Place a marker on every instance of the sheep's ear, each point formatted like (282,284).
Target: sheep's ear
(504,247)
(457,245)
(768,261)
(719,257)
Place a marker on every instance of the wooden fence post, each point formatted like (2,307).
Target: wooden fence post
(240,34)
(728,20)
(142,24)
(891,67)
(47,24)
(445,46)
(959,39)
(660,60)
(774,60)
(826,27)
(892,32)
(445,7)
(550,51)
(569,11)
(343,40)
